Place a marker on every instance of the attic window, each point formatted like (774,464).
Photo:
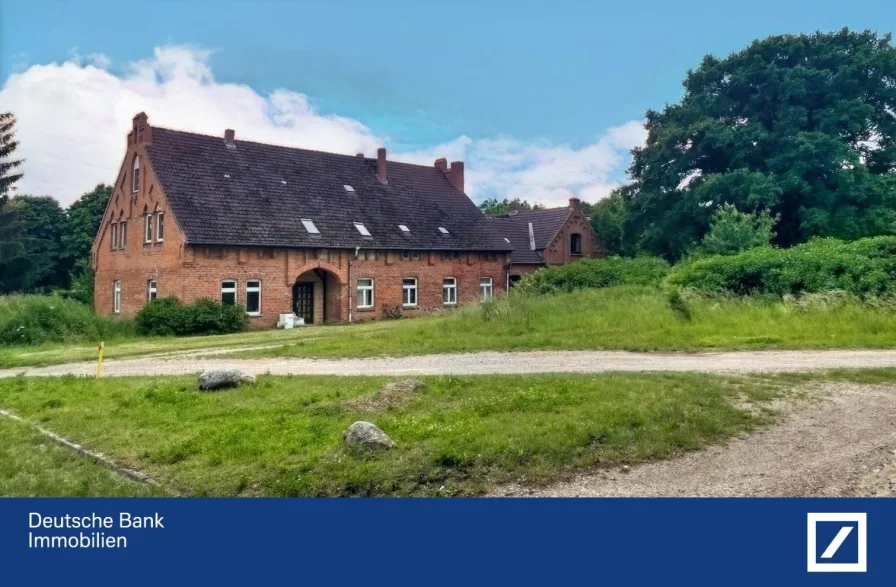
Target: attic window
(309,226)
(362,229)
(283,181)
(349,188)
(443,230)
(506,240)
(226,176)
(404,228)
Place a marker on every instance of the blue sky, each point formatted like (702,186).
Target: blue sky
(420,75)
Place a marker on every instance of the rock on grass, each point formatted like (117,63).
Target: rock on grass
(367,435)
(213,379)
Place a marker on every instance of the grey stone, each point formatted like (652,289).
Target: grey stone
(223,379)
(405,386)
(367,435)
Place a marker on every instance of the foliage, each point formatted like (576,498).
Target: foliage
(83,220)
(797,125)
(495,207)
(609,218)
(594,273)
(731,231)
(34,319)
(43,264)
(8,145)
(862,267)
(168,317)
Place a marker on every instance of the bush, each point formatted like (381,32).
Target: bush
(865,267)
(35,319)
(168,317)
(594,273)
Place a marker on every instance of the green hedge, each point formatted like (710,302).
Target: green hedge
(863,267)
(168,317)
(34,319)
(595,273)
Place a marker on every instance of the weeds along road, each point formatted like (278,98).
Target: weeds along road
(484,363)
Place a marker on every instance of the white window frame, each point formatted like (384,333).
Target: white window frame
(116,297)
(233,290)
(362,229)
(449,291)
(407,290)
(367,289)
(135,175)
(486,289)
(152,290)
(147,229)
(310,226)
(253,289)
(160,226)
(113,236)
(122,234)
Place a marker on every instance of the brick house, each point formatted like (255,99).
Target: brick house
(276,229)
(550,236)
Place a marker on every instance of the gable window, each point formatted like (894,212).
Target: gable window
(116,297)
(123,234)
(365,293)
(575,244)
(409,292)
(449,291)
(151,290)
(135,177)
(160,226)
(309,226)
(253,297)
(113,241)
(147,228)
(228,292)
(485,289)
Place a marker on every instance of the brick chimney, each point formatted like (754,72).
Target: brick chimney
(230,137)
(575,203)
(382,166)
(359,155)
(141,131)
(441,164)
(456,175)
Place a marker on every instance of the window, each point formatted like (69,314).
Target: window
(449,291)
(409,292)
(135,177)
(348,188)
(309,226)
(365,293)
(116,297)
(160,226)
(253,297)
(228,292)
(575,244)
(485,289)
(362,229)
(404,228)
(450,255)
(147,228)
(113,242)
(443,230)
(123,234)
(151,290)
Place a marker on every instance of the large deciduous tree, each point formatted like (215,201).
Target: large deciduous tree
(495,207)
(82,224)
(803,127)
(43,265)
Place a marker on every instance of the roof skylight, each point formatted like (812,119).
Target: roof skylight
(349,188)
(309,226)
(362,229)
(443,230)
(506,240)
(404,228)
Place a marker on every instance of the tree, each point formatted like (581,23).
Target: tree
(731,232)
(8,145)
(82,224)
(11,245)
(42,264)
(799,126)
(609,219)
(495,207)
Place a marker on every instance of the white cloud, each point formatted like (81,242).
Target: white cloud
(73,118)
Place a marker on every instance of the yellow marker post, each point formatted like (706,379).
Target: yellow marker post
(99,361)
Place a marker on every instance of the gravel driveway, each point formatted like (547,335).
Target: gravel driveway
(492,362)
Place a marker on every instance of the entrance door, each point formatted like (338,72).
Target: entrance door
(303,301)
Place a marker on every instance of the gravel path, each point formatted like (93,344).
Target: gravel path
(492,362)
(844,445)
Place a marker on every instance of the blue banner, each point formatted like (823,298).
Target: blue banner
(448,541)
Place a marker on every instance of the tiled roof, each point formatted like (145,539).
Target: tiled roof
(545,224)
(258,194)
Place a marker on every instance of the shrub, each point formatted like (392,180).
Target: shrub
(168,317)
(865,267)
(35,319)
(594,273)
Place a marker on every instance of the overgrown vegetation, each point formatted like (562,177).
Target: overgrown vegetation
(34,319)
(168,317)
(594,273)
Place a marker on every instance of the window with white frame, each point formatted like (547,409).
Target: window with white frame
(123,234)
(253,297)
(113,240)
(160,226)
(362,229)
(365,293)
(147,228)
(449,291)
(409,292)
(310,226)
(151,290)
(485,289)
(135,177)
(116,297)
(228,292)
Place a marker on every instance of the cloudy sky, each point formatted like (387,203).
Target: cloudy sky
(542,103)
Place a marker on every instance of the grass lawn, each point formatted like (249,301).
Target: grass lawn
(283,435)
(31,465)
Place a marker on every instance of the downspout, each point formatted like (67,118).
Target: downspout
(351,263)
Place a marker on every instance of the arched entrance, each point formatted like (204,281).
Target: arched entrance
(317,296)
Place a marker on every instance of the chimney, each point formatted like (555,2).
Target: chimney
(456,175)
(142,132)
(382,165)
(442,164)
(574,203)
(359,155)
(230,137)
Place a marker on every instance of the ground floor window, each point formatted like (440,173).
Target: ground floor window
(151,290)
(116,297)
(449,291)
(365,293)
(409,291)
(228,292)
(253,297)
(485,289)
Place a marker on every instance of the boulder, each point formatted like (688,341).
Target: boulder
(223,378)
(392,395)
(367,435)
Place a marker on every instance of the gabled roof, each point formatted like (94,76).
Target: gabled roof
(546,223)
(258,194)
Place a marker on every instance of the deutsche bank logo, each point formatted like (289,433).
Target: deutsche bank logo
(837,543)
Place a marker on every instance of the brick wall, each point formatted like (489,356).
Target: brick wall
(558,252)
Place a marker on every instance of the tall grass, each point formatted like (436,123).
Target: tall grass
(35,319)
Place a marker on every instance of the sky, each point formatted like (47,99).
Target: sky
(543,101)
